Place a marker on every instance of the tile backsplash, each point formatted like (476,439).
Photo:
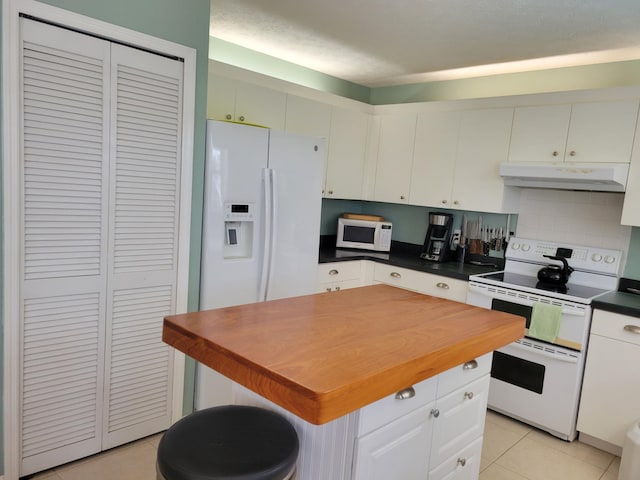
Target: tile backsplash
(582,218)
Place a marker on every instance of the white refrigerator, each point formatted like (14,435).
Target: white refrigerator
(261,225)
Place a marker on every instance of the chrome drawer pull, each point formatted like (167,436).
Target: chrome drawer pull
(462,462)
(468,395)
(635,291)
(435,412)
(470,365)
(405,394)
(333,271)
(442,285)
(395,275)
(632,328)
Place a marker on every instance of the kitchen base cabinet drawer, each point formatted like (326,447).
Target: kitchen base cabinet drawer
(459,376)
(339,271)
(422,282)
(616,326)
(460,419)
(399,450)
(465,465)
(395,406)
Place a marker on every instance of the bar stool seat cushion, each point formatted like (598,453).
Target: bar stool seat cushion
(232,442)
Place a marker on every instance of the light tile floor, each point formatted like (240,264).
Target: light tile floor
(511,451)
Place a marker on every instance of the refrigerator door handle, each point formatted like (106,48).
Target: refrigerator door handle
(273,190)
(268,225)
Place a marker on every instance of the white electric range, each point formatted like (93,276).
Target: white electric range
(533,380)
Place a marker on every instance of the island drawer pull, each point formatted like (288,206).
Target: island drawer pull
(435,412)
(333,271)
(470,365)
(462,462)
(632,328)
(442,285)
(395,275)
(405,394)
(468,395)
(635,291)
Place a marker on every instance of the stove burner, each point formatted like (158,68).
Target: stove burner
(550,287)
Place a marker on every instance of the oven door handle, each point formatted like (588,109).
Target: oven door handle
(565,310)
(555,356)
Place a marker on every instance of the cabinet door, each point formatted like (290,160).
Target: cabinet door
(307,117)
(221,97)
(460,420)
(630,210)
(611,372)
(434,158)
(397,450)
(464,465)
(483,144)
(539,133)
(602,131)
(260,106)
(395,156)
(346,156)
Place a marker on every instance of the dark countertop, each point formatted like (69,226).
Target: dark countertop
(407,255)
(620,301)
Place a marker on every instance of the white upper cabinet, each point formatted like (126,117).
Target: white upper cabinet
(434,159)
(395,158)
(457,155)
(307,117)
(233,100)
(630,210)
(591,132)
(346,157)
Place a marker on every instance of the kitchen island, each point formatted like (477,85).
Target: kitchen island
(324,357)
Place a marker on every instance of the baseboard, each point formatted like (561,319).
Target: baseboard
(600,444)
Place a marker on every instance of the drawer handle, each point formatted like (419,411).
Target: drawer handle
(462,462)
(470,365)
(435,412)
(395,275)
(468,395)
(405,394)
(442,285)
(632,328)
(333,271)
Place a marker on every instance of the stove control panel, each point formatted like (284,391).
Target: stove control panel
(580,257)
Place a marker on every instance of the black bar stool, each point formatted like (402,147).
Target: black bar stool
(232,442)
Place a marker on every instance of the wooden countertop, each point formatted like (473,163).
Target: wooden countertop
(325,355)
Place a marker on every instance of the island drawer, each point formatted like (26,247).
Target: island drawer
(616,326)
(456,377)
(397,405)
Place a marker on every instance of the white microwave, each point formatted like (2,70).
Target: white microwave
(364,234)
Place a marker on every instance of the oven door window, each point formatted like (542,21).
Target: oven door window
(514,308)
(517,371)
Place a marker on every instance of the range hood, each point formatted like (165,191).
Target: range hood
(602,177)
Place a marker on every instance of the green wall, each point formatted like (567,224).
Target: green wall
(187,23)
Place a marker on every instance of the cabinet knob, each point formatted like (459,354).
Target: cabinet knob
(555,153)
(330,192)
(395,275)
(241,118)
(470,365)
(333,271)
(442,285)
(328,289)
(456,202)
(462,462)
(401,197)
(228,116)
(444,202)
(572,153)
(468,395)
(435,412)
(632,328)
(337,288)
(405,394)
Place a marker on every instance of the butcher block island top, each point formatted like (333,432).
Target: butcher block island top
(325,355)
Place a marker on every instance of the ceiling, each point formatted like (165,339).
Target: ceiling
(393,42)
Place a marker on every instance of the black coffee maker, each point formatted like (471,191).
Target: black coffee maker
(436,243)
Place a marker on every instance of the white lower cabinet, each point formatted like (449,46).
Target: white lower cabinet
(431,430)
(609,404)
(336,276)
(421,282)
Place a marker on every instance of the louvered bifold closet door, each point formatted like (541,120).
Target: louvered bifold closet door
(144,191)
(64,233)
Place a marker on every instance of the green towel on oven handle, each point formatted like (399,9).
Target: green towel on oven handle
(545,321)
